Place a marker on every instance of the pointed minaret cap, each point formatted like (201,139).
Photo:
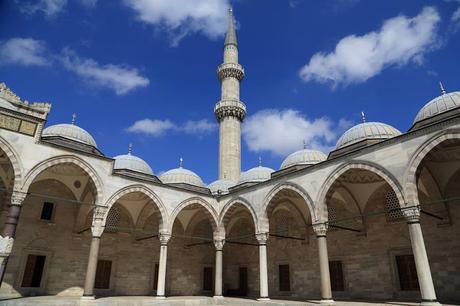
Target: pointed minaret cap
(230,38)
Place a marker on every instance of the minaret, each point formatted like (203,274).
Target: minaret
(230,111)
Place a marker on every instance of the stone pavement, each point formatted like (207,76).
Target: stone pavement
(181,301)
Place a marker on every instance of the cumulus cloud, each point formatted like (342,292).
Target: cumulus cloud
(120,78)
(400,40)
(182,17)
(50,8)
(23,51)
(157,127)
(284,131)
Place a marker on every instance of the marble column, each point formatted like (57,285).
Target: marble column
(422,265)
(164,239)
(219,244)
(9,230)
(97,229)
(320,230)
(263,268)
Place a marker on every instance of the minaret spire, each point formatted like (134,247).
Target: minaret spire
(230,111)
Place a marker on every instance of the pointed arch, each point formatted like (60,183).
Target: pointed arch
(15,161)
(266,209)
(64,159)
(140,189)
(230,207)
(410,179)
(321,209)
(209,209)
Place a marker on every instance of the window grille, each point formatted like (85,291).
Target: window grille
(393,211)
(331,216)
(113,220)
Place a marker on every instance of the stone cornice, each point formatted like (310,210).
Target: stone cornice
(230,108)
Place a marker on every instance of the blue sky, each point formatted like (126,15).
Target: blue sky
(144,71)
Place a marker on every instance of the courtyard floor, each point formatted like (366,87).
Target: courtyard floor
(180,301)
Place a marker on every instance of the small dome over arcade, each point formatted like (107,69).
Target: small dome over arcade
(181,176)
(220,186)
(257,174)
(445,102)
(367,131)
(71,132)
(132,163)
(306,157)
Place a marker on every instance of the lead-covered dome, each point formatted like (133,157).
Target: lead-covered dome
(70,131)
(256,175)
(181,176)
(367,130)
(438,105)
(220,186)
(133,163)
(303,157)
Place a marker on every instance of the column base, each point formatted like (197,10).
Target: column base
(218,296)
(87,297)
(263,299)
(160,297)
(327,302)
(430,303)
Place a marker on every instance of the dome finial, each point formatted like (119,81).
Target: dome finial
(181,162)
(363,117)
(443,90)
(260,161)
(304,144)
(130,149)
(74,118)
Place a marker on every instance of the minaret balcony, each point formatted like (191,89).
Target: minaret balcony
(230,70)
(230,108)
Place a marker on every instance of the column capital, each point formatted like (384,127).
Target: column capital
(6,245)
(320,229)
(17,198)
(412,214)
(164,238)
(97,229)
(219,244)
(262,238)
(100,212)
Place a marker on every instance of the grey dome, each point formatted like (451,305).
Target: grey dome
(367,130)
(303,157)
(70,131)
(181,176)
(220,186)
(439,105)
(255,175)
(133,163)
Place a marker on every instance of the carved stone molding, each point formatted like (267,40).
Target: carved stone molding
(262,238)
(17,198)
(219,244)
(100,212)
(97,228)
(230,70)
(164,238)
(412,214)
(6,245)
(320,229)
(230,108)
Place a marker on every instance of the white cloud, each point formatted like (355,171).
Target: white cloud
(89,3)
(23,51)
(357,58)
(455,19)
(50,8)
(182,17)
(120,78)
(157,127)
(283,131)
(151,127)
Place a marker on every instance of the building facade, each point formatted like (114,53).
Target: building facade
(377,218)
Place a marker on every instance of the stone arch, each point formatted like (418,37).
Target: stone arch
(15,162)
(210,212)
(410,179)
(64,159)
(266,209)
(230,207)
(321,209)
(141,189)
